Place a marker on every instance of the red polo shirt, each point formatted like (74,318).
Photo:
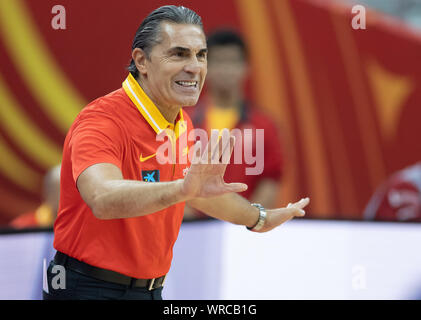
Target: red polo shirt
(120,128)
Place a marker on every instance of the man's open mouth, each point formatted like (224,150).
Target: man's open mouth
(188,84)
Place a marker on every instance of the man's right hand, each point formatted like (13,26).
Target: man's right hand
(205,178)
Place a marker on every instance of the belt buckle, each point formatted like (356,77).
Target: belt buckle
(150,287)
(151,284)
(163,280)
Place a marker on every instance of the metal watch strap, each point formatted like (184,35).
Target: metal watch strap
(262,217)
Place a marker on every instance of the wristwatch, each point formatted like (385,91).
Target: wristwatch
(262,217)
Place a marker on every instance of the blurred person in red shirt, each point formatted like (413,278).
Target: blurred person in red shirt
(398,198)
(46,213)
(225,106)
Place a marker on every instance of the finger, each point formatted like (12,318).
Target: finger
(299,213)
(293,211)
(212,146)
(223,141)
(228,149)
(227,155)
(297,208)
(302,203)
(223,136)
(216,152)
(196,152)
(236,187)
(206,153)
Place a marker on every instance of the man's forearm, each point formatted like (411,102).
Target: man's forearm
(229,207)
(129,198)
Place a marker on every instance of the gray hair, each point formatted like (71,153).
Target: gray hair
(148,33)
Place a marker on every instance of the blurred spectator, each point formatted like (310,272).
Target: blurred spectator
(399,198)
(224,105)
(46,213)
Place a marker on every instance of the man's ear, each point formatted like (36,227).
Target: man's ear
(139,58)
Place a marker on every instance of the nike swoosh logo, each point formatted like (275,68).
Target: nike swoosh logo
(146,158)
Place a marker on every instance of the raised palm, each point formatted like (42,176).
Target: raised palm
(205,178)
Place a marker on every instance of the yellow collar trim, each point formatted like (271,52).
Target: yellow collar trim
(147,108)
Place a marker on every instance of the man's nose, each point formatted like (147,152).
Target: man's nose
(193,66)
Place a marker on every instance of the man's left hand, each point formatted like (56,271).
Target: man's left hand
(276,217)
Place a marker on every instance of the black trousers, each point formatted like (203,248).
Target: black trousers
(73,285)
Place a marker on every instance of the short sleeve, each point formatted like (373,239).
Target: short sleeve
(96,138)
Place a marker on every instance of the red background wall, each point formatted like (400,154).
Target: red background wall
(347,101)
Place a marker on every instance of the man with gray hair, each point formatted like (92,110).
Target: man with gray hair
(120,208)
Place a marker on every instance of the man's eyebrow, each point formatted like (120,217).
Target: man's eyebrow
(178,49)
(183,49)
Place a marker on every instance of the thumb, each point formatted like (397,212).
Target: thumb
(236,187)
(299,212)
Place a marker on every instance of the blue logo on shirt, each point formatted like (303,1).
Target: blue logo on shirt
(150,175)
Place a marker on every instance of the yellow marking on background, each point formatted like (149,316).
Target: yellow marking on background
(24,133)
(390,91)
(366,124)
(269,83)
(51,88)
(315,158)
(340,159)
(16,171)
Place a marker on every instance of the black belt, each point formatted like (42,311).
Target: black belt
(106,275)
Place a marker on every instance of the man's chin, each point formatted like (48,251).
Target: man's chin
(189,102)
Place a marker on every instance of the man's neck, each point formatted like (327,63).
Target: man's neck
(170,113)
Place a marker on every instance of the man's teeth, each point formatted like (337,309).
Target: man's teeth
(187,83)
